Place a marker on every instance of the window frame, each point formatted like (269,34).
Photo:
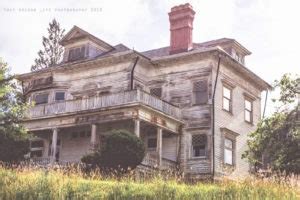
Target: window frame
(59,91)
(194,99)
(156,88)
(232,149)
(205,148)
(41,93)
(230,100)
(74,49)
(151,148)
(250,111)
(233,136)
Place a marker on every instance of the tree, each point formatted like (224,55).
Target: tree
(13,137)
(276,141)
(53,51)
(122,150)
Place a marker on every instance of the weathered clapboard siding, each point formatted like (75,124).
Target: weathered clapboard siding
(169,148)
(177,84)
(235,121)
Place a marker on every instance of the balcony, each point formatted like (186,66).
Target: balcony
(121,99)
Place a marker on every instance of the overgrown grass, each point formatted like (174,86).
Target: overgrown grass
(56,184)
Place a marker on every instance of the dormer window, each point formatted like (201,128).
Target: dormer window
(76,53)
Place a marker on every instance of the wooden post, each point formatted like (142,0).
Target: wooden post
(137,127)
(54,146)
(94,136)
(159,145)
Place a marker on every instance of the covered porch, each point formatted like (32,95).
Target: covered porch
(67,144)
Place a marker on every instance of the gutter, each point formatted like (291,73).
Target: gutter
(132,73)
(213,117)
(266,99)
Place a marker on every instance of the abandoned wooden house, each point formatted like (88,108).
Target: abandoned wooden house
(192,104)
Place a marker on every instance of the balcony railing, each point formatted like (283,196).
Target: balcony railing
(104,101)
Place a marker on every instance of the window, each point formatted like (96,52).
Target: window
(37,144)
(35,154)
(156,92)
(228,151)
(248,111)
(152,143)
(76,53)
(36,148)
(200,92)
(59,96)
(199,143)
(41,98)
(227,99)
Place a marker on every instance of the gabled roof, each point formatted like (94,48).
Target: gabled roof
(77,33)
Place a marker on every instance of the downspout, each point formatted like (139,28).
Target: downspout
(266,99)
(132,73)
(213,118)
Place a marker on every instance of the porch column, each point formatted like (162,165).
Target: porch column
(137,127)
(94,136)
(159,145)
(54,146)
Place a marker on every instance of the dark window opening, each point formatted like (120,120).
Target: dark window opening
(36,154)
(200,91)
(199,143)
(37,144)
(41,98)
(156,92)
(76,53)
(152,143)
(59,96)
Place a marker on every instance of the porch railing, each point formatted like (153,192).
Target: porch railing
(149,160)
(104,101)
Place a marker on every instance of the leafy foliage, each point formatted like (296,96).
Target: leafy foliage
(53,51)
(122,150)
(276,141)
(13,137)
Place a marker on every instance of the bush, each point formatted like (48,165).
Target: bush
(12,149)
(122,150)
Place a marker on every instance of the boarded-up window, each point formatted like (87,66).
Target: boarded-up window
(41,98)
(200,91)
(199,143)
(76,53)
(156,92)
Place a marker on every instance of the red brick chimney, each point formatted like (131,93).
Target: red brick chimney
(181,27)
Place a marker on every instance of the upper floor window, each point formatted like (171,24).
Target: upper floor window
(59,96)
(199,142)
(41,98)
(200,92)
(227,99)
(228,151)
(156,92)
(248,111)
(76,53)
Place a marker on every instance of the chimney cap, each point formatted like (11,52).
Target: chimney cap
(182,6)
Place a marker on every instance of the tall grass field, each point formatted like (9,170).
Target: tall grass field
(57,184)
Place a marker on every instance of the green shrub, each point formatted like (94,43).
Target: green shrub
(122,150)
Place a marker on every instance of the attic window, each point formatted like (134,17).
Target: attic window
(76,53)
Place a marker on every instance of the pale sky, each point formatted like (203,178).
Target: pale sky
(268,28)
